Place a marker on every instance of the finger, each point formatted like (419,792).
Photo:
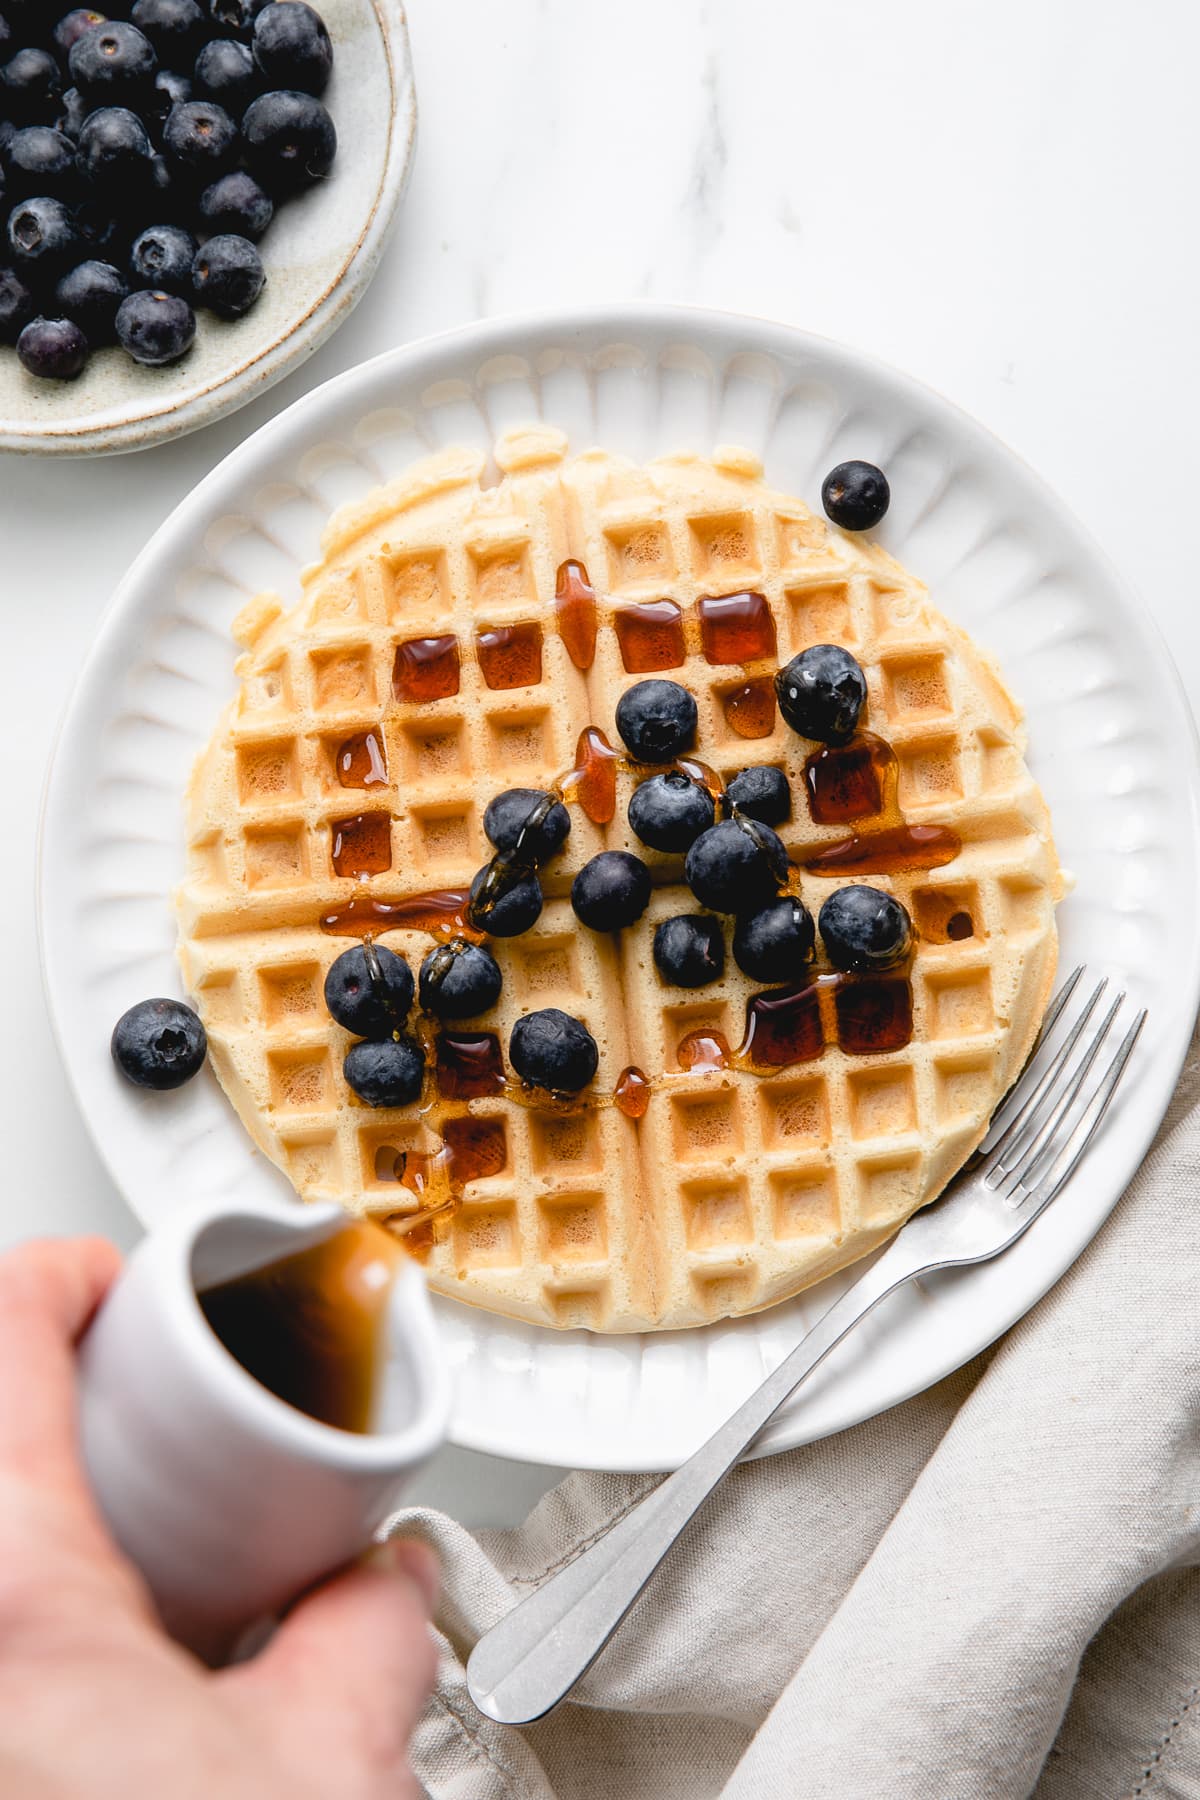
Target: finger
(357,1651)
(49,1290)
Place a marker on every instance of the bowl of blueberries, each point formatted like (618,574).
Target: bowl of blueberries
(193,195)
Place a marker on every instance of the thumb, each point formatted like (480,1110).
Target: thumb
(358,1651)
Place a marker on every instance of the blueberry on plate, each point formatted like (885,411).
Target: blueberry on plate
(855,495)
(176,28)
(54,349)
(387,1073)
(611,891)
(236,203)
(162,258)
(656,720)
(550,1049)
(159,1044)
(510,812)
(821,693)
(863,929)
(689,950)
(90,294)
(115,152)
(16,306)
(226,72)
(369,990)
(459,980)
(292,48)
(518,906)
(42,236)
(736,865)
(763,793)
(776,942)
(200,140)
(72,25)
(40,160)
(155,327)
(669,811)
(227,275)
(113,65)
(290,140)
(30,84)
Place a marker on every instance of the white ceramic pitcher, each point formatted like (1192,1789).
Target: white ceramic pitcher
(230,1501)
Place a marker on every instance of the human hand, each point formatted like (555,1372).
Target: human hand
(96,1702)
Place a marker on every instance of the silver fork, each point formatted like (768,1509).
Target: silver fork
(529,1661)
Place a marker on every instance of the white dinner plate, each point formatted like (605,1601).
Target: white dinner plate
(1111,741)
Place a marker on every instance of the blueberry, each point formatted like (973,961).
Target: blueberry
(155,327)
(113,65)
(390,1073)
(855,495)
(763,793)
(864,929)
(656,720)
(290,140)
(74,110)
(774,943)
(369,990)
(225,72)
(159,1044)
(55,349)
(234,15)
(90,294)
(170,90)
(236,203)
(736,865)
(162,258)
(16,306)
(669,811)
(200,140)
(519,905)
(115,152)
(72,25)
(292,48)
(689,950)
(550,1049)
(227,275)
(30,84)
(821,693)
(459,980)
(40,160)
(176,28)
(611,891)
(42,236)
(507,814)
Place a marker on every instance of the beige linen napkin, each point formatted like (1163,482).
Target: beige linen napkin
(987,1592)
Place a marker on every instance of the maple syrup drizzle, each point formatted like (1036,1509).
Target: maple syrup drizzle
(426,668)
(509,656)
(897,850)
(593,780)
(703,1050)
(361,845)
(864,1015)
(631,1095)
(575,610)
(469,1065)
(736,628)
(650,636)
(750,710)
(361,761)
(851,781)
(442,912)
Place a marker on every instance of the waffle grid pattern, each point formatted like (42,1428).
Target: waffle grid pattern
(736,1189)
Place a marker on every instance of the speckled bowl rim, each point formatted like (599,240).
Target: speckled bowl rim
(143,427)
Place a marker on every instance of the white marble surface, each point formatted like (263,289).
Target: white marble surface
(997,199)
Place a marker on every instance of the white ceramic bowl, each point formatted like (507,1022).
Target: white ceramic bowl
(320,252)
(1111,742)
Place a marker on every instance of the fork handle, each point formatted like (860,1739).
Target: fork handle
(529,1661)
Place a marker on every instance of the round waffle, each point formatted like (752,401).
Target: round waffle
(739,1184)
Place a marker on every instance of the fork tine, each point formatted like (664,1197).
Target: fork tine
(1088,1122)
(1037,1152)
(1046,1083)
(1047,1026)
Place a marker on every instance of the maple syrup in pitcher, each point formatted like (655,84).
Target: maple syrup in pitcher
(311,1327)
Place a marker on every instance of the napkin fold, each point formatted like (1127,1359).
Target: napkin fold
(986,1592)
